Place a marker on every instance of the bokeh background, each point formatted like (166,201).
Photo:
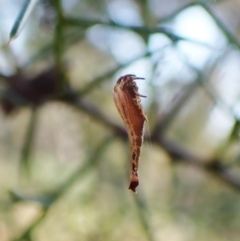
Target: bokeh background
(64,152)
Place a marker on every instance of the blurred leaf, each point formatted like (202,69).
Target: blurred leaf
(22,18)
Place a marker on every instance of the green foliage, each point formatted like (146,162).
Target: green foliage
(64,151)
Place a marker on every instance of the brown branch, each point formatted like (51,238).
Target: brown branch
(178,153)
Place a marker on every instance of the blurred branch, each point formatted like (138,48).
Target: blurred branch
(28,143)
(165,121)
(230,37)
(34,91)
(76,176)
(95,82)
(201,77)
(232,136)
(89,164)
(214,166)
(179,10)
(26,235)
(68,39)
(141,30)
(143,215)
(72,98)
(59,40)
(174,150)
(84,23)
(45,87)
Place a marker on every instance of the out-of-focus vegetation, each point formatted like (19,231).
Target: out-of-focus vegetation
(64,154)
